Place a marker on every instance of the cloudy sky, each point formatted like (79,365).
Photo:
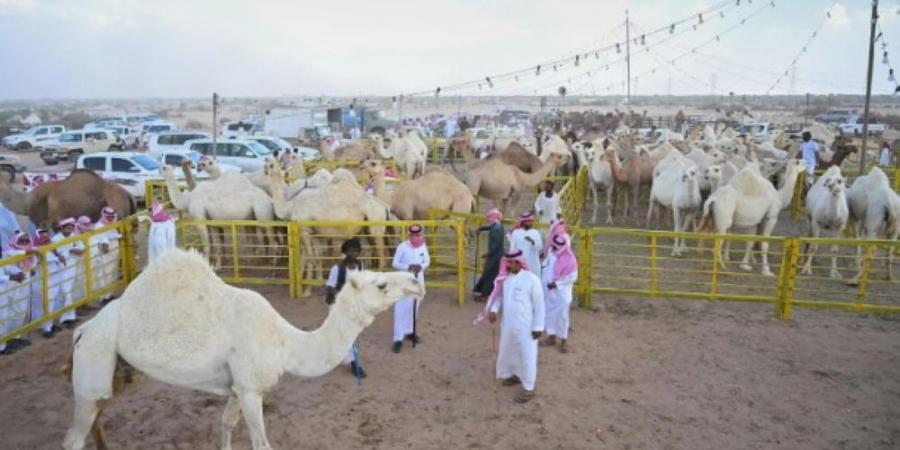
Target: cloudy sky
(190,48)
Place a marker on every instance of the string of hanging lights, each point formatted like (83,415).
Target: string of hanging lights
(802,50)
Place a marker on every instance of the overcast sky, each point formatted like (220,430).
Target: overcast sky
(190,48)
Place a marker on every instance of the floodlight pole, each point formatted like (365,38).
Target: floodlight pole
(865,130)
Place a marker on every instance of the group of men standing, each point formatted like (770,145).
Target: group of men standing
(21,290)
(529,288)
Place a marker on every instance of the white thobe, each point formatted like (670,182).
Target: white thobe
(522,306)
(162,238)
(68,276)
(406,256)
(14,297)
(6,291)
(106,268)
(558,300)
(810,152)
(531,252)
(332,282)
(547,208)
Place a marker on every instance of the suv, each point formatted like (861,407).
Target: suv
(278,144)
(175,158)
(837,115)
(35,137)
(72,144)
(129,136)
(171,140)
(249,155)
(130,169)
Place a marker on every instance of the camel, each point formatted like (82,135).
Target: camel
(294,168)
(412,199)
(675,187)
(637,172)
(840,149)
(229,197)
(404,151)
(82,193)
(240,352)
(599,175)
(341,200)
(499,181)
(826,207)
(874,212)
(354,151)
(749,201)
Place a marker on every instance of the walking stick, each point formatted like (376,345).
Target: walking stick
(415,338)
(357,369)
(477,244)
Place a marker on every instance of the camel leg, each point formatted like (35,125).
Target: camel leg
(650,212)
(767,228)
(93,366)
(609,205)
(834,270)
(814,232)
(676,243)
(688,218)
(229,420)
(251,407)
(596,202)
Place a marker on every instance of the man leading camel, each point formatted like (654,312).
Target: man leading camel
(351,249)
(518,293)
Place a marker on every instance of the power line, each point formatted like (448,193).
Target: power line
(802,49)
(575,58)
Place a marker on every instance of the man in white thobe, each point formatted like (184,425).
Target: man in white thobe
(69,257)
(527,239)
(521,300)
(810,151)
(558,277)
(106,272)
(546,206)
(411,256)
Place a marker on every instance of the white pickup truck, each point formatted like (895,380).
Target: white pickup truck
(855,126)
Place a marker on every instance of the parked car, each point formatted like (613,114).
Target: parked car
(246,154)
(10,165)
(34,137)
(130,137)
(244,127)
(71,145)
(756,131)
(855,126)
(129,169)
(151,128)
(274,143)
(837,115)
(171,140)
(177,156)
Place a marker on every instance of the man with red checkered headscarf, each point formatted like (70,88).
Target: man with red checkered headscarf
(412,256)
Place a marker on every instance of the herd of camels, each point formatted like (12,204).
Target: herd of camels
(710,178)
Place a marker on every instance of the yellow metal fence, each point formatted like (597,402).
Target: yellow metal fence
(55,282)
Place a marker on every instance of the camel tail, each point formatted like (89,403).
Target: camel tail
(708,222)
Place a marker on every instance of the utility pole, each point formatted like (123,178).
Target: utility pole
(215,123)
(806,112)
(628,65)
(865,130)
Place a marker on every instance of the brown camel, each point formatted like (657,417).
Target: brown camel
(360,151)
(514,155)
(412,199)
(82,193)
(636,172)
(496,180)
(841,148)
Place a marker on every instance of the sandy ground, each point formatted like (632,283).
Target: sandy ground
(641,374)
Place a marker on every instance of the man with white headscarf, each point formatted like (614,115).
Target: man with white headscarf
(527,239)
(519,296)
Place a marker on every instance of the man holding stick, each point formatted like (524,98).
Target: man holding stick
(412,256)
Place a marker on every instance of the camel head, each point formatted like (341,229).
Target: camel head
(167,171)
(689,175)
(713,174)
(793,167)
(834,182)
(372,167)
(272,168)
(769,167)
(208,165)
(375,292)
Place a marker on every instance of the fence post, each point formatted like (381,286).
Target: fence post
(654,270)
(45,283)
(148,192)
(88,272)
(128,252)
(717,253)
(796,199)
(460,262)
(234,252)
(586,267)
(293,267)
(787,279)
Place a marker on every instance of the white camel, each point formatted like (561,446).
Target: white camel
(749,202)
(826,208)
(403,150)
(179,323)
(675,187)
(231,196)
(874,213)
(599,174)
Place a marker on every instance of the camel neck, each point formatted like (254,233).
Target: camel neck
(14,200)
(278,201)
(786,193)
(312,354)
(378,184)
(174,193)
